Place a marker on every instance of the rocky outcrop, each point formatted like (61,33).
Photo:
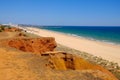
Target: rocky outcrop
(35,45)
(19,65)
(66,61)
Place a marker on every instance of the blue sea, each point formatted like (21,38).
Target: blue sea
(109,34)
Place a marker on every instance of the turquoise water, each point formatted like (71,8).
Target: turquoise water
(106,34)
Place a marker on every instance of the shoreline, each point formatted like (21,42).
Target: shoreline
(79,37)
(106,51)
(82,37)
(91,39)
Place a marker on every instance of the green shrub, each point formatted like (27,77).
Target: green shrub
(0,30)
(9,27)
(2,27)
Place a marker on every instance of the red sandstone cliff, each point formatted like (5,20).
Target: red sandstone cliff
(70,63)
(35,45)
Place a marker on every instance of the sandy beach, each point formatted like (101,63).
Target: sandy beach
(106,51)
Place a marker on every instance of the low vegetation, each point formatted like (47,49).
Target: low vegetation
(2,27)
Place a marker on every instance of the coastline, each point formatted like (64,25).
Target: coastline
(100,49)
(76,33)
(87,38)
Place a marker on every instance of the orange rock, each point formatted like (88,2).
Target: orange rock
(65,61)
(35,45)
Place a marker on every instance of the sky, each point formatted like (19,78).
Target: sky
(61,12)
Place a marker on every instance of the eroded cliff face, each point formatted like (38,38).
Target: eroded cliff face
(66,61)
(35,45)
(52,62)
(19,65)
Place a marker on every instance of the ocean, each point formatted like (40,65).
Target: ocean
(109,34)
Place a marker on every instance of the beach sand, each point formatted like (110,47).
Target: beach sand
(106,51)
